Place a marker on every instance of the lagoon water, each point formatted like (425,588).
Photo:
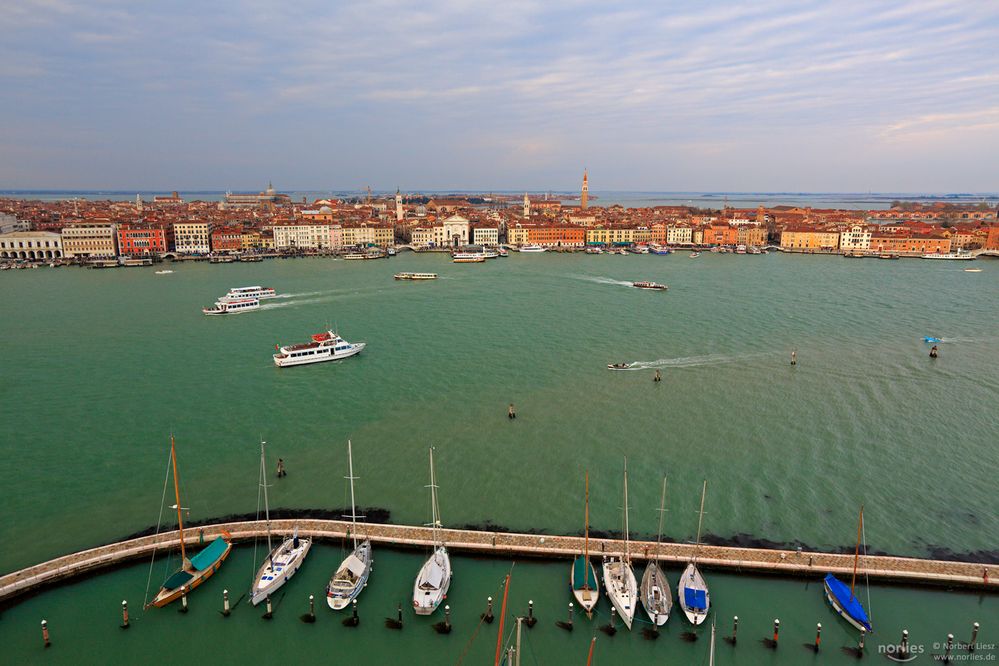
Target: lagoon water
(101,366)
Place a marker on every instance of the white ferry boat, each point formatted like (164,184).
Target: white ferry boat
(467,258)
(533,248)
(249,292)
(326,346)
(649,285)
(415,276)
(473,255)
(232,306)
(958,256)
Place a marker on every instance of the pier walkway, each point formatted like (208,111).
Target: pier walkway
(508,544)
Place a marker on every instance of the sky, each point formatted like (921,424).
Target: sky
(516,95)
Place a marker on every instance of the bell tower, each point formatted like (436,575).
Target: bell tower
(585,193)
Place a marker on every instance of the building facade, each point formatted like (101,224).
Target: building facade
(485,235)
(192,237)
(90,240)
(140,240)
(855,239)
(31,245)
(302,237)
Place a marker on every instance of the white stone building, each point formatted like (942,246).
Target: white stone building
(31,245)
(192,237)
(89,240)
(679,235)
(857,238)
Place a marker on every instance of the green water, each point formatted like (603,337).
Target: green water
(100,366)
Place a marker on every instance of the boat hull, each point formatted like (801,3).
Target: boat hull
(288,361)
(165,597)
(426,599)
(621,588)
(586,598)
(339,598)
(655,594)
(287,560)
(692,580)
(831,598)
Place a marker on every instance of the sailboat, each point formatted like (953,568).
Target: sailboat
(434,579)
(352,574)
(195,571)
(282,562)
(692,590)
(656,595)
(583,578)
(619,576)
(843,600)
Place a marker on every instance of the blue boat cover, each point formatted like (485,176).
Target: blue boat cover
(930,339)
(847,601)
(210,555)
(582,574)
(695,599)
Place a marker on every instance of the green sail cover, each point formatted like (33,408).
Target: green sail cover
(176,580)
(582,571)
(209,556)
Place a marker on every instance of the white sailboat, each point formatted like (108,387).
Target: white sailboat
(282,562)
(434,579)
(619,576)
(692,590)
(583,578)
(656,595)
(352,575)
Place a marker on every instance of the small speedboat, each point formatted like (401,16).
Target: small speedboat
(168,272)
(928,338)
(655,286)
(695,255)
(618,366)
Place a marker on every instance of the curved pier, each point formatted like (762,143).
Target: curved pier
(507,544)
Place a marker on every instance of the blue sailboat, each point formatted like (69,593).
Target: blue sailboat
(842,597)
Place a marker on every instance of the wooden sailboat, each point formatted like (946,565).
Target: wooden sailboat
(195,571)
(656,595)
(619,576)
(844,601)
(583,578)
(434,578)
(282,562)
(352,575)
(692,590)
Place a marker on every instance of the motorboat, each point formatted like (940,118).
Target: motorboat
(655,286)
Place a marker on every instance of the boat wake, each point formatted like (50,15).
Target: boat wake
(599,279)
(301,294)
(691,361)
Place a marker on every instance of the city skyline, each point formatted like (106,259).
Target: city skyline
(775,97)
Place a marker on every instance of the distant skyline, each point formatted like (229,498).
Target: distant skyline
(444,95)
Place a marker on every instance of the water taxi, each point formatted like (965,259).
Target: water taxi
(326,346)
(695,255)
(415,276)
(502,253)
(249,292)
(232,306)
(649,285)
(593,250)
(533,248)
(167,272)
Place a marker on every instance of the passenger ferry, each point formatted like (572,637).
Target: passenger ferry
(468,258)
(232,306)
(473,255)
(416,276)
(249,292)
(649,285)
(533,248)
(959,256)
(326,346)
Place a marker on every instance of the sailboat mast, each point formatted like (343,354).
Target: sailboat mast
(856,553)
(662,512)
(700,518)
(267,510)
(586,528)
(627,555)
(176,494)
(353,506)
(433,499)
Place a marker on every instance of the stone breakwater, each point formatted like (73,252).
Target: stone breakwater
(506,544)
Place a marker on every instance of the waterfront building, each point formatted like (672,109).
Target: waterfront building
(250,239)
(809,238)
(720,234)
(584,194)
(31,245)
(906,244)
(856,239)
(679,234)
(452,232)
(268,198)
(992,239)
(750,235)
(90,240)
(192,237)
(422,236)
(610,236)
(485,234)
(556,236)
(696,236)
(172,200)
(227,239)
(518,234)
(302,236)
(144,240)
(365,233)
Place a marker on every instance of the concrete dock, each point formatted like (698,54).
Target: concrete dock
(907,570)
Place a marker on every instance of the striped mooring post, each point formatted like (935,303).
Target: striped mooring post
(776,630)
(225,603)
(124,614)
(45,633)
(818,635)
(974,637)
